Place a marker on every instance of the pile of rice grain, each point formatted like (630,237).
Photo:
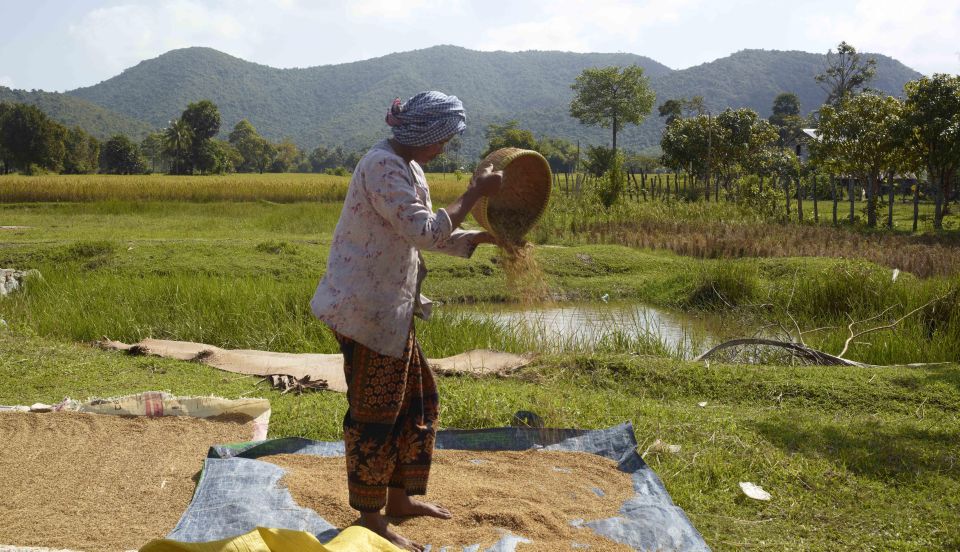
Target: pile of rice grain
(532,494)
(98,482)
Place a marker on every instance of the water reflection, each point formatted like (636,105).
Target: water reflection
(611,326)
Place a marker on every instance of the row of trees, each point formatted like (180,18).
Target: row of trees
(857,133)
(867,136)
(31,142)
(873,137)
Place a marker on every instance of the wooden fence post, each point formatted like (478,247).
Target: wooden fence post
(916,204)
(833,192)
(850,190)
(890,201)
(800,199)
(816,207)
(786,191)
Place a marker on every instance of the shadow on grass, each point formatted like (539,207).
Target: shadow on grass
(892,453)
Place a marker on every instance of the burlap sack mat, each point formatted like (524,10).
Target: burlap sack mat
(317,366)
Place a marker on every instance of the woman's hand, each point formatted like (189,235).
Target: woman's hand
(488,181)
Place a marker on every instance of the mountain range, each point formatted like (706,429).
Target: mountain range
(344,104)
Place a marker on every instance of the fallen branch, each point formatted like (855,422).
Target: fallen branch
(797,349)
(853,335)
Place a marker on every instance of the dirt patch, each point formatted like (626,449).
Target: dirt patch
(533,494)
(96,482)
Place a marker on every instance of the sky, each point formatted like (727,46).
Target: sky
(59,45)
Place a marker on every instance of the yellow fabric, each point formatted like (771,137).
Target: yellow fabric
(360,539)
(263,539)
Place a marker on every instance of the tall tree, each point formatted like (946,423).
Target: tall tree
(785,116)
(932,113)
(121,156)
(287,156)
(81,152)
(6,162)
(612,97)
(177,142)
(598,160)
(671,109)
(845,73)
(508,135)
(203,118)
(560,154)
(30,139)
(154,151)
(741,143)
(786,104)
(218,157)
(453,150)
(257,153)
(685,144)
(861,138)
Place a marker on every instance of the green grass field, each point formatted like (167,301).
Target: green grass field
(855,458)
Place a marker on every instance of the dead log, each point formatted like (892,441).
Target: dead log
(801,351)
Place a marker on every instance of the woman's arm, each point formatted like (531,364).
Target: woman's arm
(487,183)
(393,195)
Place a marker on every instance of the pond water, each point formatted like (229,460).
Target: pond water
(609,326)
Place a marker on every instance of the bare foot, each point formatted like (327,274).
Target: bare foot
(400,505)
(375,522)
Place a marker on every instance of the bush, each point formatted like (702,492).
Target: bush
(338,171)
(725,284)
(611,186)
(767,202)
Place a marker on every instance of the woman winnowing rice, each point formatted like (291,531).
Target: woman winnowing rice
(369,296)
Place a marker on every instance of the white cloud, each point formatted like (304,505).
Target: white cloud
(920,33)
(119,36)
(587,25)
(6,80)
(104,40)
(387,9)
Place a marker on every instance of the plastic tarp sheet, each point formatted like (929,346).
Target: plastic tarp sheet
(237,493)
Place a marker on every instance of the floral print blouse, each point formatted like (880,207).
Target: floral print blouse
(369,290)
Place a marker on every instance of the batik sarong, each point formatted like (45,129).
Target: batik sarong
(390,425)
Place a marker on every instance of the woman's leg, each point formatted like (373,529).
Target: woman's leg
(417,437)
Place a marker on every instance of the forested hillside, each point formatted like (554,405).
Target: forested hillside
(71,112)
(344,104)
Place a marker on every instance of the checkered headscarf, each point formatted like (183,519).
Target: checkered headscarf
(427,118)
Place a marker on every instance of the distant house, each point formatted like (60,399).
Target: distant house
(902,182)
(802,145)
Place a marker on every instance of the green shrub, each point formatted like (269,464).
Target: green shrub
(725,284)
(767,201)
(611,186)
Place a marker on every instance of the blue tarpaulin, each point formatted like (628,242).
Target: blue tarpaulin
(238,493)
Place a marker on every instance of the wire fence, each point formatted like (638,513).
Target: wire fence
(902,203)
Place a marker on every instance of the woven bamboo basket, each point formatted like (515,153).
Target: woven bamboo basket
(522,198)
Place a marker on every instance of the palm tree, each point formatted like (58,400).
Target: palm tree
(176,143)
